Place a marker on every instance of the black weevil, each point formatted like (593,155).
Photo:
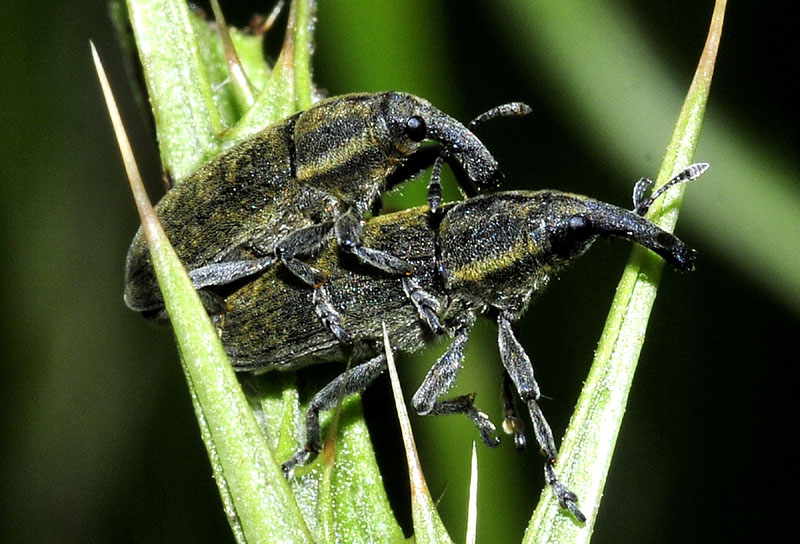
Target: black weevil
(486,255)
(280,194)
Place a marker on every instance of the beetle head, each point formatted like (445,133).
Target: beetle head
(411,120)
(500,249)
(570,223)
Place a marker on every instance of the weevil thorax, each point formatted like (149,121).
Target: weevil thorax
(499,250)
(342,148)
(487,253)
(348,146)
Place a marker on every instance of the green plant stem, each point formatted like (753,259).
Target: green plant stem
(250,481)
(428,526)
(187,120)
(589,443)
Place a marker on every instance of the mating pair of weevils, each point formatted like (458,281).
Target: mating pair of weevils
(273,237)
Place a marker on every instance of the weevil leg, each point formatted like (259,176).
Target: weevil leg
(415,164)
(512,423)
(305,242)
(349,229)
(422,159)
(519,367)
(440,379)
(227,272)
(329,316)
(435,186)
(358,378)
(426,304)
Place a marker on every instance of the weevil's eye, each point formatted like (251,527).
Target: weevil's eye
(415,128)
(578,222)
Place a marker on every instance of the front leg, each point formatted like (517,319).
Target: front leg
(426,304)
(349,230)
(303,242)
(440,379)
(519,367)
(227,272)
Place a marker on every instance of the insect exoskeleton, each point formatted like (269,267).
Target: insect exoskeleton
(280,195)
(486,255)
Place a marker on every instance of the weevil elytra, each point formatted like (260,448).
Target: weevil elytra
(486,255)
(279,195)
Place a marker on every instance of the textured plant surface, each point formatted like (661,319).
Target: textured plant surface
(210,87)
(204,100)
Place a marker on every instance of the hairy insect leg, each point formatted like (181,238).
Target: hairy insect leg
(440,379)
(422,159)
(329,316)
(349,229)
(435,186)
(519,367)
(426,304)
(358,378)
(415,164)
(228,272)
(304,242)
(512,423)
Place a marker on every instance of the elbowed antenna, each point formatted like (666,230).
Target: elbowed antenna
(691,172)
(663,243)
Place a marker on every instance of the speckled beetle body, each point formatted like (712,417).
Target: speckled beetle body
(487,255)
(281,194)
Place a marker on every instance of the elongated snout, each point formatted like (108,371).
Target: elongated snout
(609,220)
(472,164)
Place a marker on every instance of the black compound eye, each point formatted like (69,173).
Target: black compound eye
(578,222)
(415,128)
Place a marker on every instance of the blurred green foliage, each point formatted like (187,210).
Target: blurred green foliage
(98,437)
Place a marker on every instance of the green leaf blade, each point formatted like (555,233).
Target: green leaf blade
(256,497)
(588,445)
(181,96)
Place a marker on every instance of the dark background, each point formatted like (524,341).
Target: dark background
(98,441)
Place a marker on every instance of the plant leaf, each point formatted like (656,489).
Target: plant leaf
(354,507)
(257,498)
(585,454)
(289,87)
(428,526)
(178,83)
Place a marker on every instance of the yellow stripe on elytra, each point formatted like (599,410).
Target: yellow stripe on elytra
(335,157)
(479,269)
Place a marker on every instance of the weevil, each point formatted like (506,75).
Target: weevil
(489,255)
(279,195)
